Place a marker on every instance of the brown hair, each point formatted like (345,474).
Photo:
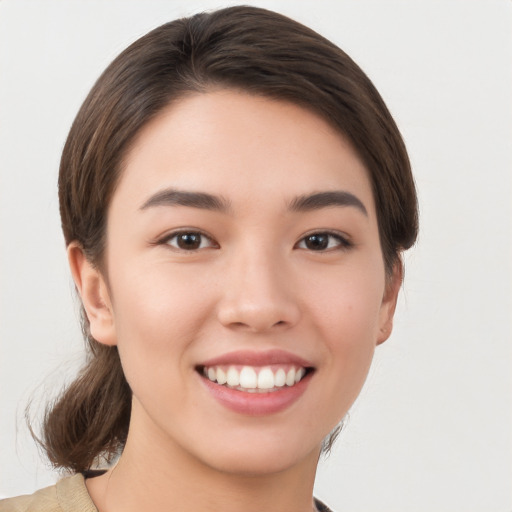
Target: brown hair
(246,48)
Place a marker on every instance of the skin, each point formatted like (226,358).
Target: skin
(253,284)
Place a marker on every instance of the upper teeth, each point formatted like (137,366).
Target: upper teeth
(254,378)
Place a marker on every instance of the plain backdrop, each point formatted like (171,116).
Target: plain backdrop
(432,429)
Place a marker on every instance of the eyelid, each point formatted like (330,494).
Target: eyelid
(164,239)
(344,240)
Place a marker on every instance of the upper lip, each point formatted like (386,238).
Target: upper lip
(257,358)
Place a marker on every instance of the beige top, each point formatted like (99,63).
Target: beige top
(67,495)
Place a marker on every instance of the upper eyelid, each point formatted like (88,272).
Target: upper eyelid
(179,231)
(330,232)
(343,237)
(171,234)
(344,240)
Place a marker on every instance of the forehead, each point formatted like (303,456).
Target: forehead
(244,147)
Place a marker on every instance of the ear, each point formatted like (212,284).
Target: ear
(95,296)
(388,306)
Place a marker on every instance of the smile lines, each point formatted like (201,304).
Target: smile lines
(253,379)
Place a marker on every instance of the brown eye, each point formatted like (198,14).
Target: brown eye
(189,241)
(323,242)
(318,242)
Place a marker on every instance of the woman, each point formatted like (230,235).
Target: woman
(234,197)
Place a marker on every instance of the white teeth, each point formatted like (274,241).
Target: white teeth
(221,376)
(253,379)
(280,378)
(248,378)
(290,377)
(265,379)
(233,377)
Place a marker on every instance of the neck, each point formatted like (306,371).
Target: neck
(153,475)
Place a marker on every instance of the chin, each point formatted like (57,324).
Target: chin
(259,457)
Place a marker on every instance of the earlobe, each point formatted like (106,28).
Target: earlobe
(94,293)
(388,306)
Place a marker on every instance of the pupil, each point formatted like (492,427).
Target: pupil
(317,242)
(189,241)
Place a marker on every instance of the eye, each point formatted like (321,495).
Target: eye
(189,241)
(323,241)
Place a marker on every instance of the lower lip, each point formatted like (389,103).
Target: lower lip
(257,404)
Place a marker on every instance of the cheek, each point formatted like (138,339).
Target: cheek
(347,303)
(157,316)
(346,312)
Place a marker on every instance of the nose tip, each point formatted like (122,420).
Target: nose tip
(257,301)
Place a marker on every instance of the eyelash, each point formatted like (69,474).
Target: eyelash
(342,243)
(175,234)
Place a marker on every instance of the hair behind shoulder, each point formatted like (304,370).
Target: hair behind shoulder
(90,419)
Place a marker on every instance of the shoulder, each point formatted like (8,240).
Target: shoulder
(68,495)
(44,500)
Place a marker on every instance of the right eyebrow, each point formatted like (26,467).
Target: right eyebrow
(173,197)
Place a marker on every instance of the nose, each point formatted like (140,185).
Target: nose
(258,295)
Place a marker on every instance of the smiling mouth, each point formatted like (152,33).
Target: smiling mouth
(255,379)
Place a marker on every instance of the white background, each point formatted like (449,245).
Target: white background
(432,430)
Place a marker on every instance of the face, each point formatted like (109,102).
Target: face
(244,282)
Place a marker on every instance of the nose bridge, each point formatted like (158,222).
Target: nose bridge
(258,293)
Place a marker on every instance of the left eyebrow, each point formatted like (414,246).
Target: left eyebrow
(306,203)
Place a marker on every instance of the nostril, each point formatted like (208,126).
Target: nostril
(258,314)
(239,324)
(257,325)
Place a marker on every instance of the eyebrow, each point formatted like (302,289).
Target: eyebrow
(320,200)
(173,197)
(205,201)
